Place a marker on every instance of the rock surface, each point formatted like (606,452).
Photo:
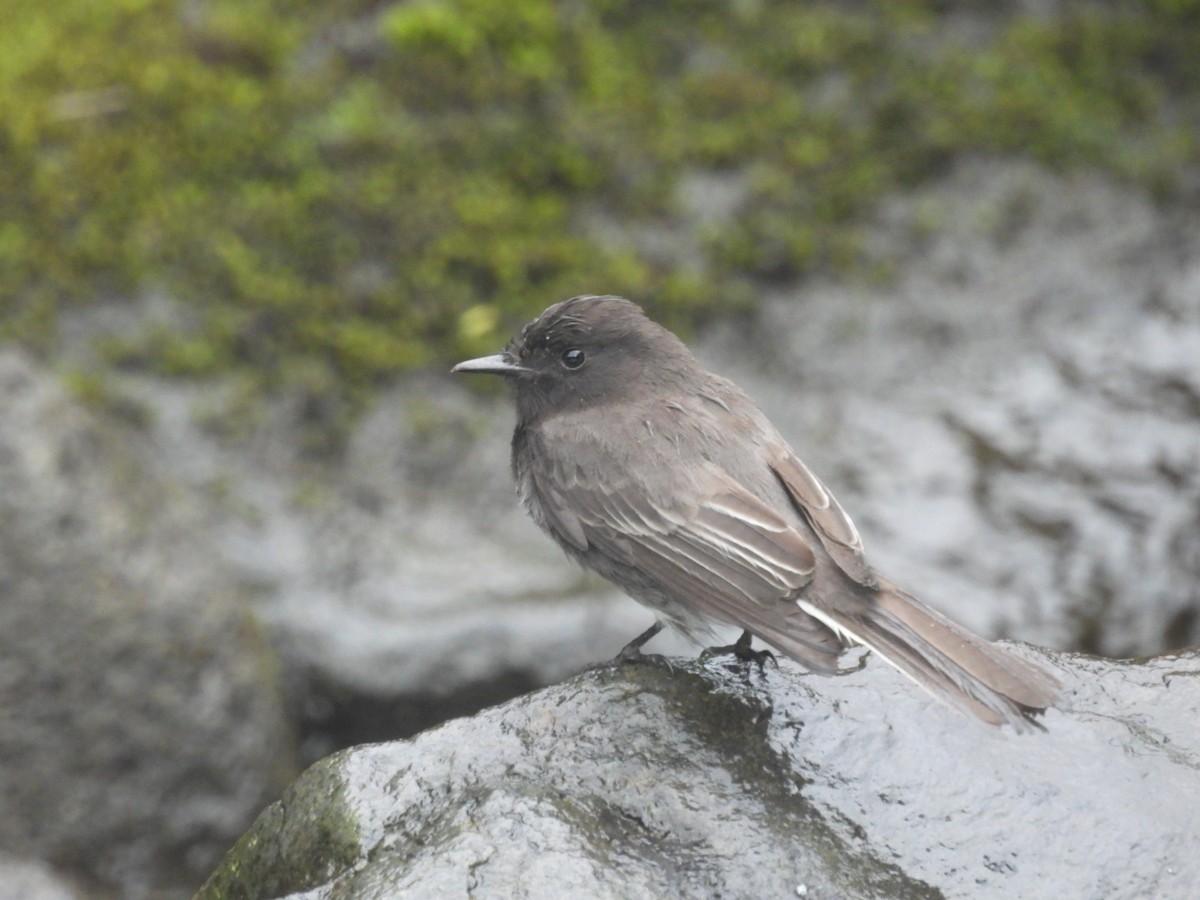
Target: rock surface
(142,724)
(642,781)
(29,879)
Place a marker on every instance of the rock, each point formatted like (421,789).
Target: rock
(704,781)
(29,879)
(142,724)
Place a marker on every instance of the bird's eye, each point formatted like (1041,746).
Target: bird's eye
(573,358)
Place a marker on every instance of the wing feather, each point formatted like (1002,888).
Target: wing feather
(559,514)
(730,534)
(833,527)
(702,538)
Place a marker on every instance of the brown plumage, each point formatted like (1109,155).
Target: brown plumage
(670,482)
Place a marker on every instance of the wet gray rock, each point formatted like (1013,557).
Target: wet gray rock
(701,781)
(30,879)
(141,720)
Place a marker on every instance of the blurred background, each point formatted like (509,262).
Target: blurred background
(246,516)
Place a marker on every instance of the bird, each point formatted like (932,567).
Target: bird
(670,482)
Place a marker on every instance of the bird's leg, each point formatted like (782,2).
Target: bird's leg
(632,652)
(742,650)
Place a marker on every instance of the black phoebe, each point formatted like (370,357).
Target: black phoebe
(672,484)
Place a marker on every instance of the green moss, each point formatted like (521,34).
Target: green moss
(337,191)
(93,389)
(296,844)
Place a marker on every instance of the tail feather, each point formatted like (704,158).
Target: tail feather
(1000,670)
(956,666)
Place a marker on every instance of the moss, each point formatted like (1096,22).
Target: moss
(338,191)
(296,844)
(95,390)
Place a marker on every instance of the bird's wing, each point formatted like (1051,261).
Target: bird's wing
(717,549)
(833,527)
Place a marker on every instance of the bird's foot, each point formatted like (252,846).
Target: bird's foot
(632,653)
(742,650)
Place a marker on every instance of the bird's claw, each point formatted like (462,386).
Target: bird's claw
(742,650)
(632,653)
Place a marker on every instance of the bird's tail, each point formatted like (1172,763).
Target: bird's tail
(956,666)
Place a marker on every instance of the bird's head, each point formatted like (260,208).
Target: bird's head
(584,352)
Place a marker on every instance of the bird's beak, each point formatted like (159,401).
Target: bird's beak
(500,364)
